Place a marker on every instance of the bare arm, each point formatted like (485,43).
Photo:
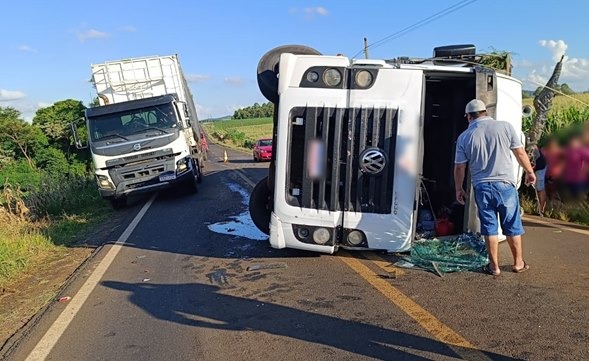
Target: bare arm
(459,174)
(524,161)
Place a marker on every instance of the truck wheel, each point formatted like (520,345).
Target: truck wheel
(268,68)
(199,172)
(118,202)
(259,206)
(192,184)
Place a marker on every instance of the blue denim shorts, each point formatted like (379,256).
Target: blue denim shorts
(498,199)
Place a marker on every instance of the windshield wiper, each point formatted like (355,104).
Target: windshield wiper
(115,135)
(147,129)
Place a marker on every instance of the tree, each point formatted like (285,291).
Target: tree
(55,121)
(566,89)
(19,139)
(562,88)
(94,103)
(255,111)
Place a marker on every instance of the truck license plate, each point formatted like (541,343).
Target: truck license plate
(167,177)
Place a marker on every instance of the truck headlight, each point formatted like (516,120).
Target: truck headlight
(355,238)
(321,236)
(332,77)
(363,78)
(312,76)
(182,165)
(103,181)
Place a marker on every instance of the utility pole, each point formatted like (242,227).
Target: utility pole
(365,48)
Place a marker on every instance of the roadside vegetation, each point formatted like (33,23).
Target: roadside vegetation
(47,193)
(239,133)
(567,117)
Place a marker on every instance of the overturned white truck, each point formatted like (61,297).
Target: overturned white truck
(361,146)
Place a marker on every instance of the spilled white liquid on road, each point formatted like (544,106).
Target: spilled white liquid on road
(240,225)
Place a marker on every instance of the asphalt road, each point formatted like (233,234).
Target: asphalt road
(178,291)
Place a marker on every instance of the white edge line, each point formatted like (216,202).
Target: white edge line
(556,225)
(49,340)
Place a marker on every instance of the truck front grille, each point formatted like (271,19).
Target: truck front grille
(345,134)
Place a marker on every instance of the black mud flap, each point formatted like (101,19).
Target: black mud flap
(259,206)
(269,65)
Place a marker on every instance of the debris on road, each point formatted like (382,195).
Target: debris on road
(466,252)
(64,299)
(257,267)
(146,279)
(403,264)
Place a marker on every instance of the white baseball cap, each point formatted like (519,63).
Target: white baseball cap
(475,106)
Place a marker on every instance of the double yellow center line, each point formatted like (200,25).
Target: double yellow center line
(429,322)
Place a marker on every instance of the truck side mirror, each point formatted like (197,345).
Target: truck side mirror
(77,141)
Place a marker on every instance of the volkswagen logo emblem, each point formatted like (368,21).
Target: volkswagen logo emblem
(373,161)
(137,146)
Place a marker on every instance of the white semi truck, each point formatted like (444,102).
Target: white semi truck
(144,135)
(362,146)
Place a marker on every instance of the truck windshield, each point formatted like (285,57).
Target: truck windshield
(134,121)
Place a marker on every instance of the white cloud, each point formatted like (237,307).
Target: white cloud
(90,34)
(10,95)
(43,105)
(129,29)
(197,78)
(234,80)
(522,64)
(319,10)
(536,78)
(575,71)
(309,13)
(27,49)
(557,47)
(27,107)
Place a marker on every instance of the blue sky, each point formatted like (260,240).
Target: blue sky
(47,46)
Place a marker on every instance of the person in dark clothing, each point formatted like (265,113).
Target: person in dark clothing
(540,171)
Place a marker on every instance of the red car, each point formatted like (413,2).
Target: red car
(263,150)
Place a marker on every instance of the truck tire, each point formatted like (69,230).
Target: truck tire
(259,206)
(268,68)
(118,202)
(199,172)
(191,184)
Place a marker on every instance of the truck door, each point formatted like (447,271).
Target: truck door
(486,90)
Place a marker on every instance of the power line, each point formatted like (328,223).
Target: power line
(459,5)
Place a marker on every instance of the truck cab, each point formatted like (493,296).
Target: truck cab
(361,146)
(140,146)
(144,135)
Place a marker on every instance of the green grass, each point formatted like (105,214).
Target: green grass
(240,133)
(41,224)
(19,244)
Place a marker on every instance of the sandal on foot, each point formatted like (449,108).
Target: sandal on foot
(523,269)
(488,270)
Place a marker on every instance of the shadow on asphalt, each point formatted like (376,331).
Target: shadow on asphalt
(232,313)
(178,221)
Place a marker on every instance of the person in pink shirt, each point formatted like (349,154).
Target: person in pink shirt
(554,167)
(576,157)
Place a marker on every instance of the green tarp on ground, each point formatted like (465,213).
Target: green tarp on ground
(466,252)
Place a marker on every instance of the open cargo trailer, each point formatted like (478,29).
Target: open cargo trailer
(388,131)
(144,77)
